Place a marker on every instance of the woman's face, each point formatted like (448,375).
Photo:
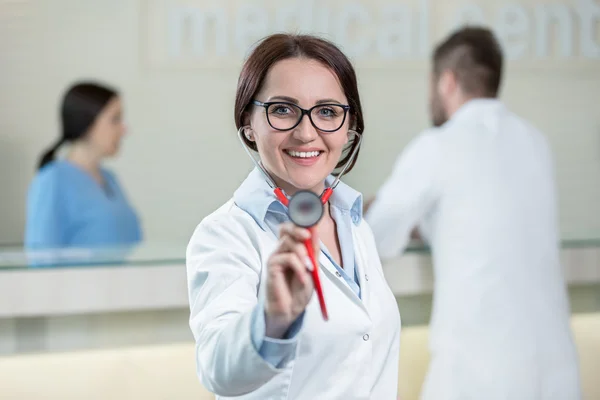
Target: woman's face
(300,158)
(108,129)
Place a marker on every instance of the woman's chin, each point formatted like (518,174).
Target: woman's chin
(294,179)
(112,152)
(302,183)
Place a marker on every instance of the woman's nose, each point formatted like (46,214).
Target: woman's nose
(305,131)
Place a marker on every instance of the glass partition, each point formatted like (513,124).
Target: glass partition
(150,254)
(146,254)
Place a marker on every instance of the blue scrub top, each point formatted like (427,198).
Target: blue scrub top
(67,207)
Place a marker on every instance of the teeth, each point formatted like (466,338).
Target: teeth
(303,154)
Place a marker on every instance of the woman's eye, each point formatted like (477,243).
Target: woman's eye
(281,110)
(327,112)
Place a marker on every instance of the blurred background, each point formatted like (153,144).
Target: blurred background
(114,322)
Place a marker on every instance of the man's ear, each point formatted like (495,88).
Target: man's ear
(447,83)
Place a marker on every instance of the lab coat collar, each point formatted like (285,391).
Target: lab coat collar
(256,197)
(477,107)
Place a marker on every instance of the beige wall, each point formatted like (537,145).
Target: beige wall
(182,159)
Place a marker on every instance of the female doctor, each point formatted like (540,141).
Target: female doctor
(258,328)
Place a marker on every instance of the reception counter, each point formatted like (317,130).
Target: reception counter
(98,298)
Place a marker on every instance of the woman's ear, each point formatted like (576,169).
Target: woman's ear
(248,132)
(352,136)
(352,126)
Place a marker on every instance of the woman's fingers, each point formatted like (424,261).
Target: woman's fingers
(293,262)
(287,245)
(293,231)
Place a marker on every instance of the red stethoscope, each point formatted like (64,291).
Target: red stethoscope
(305,209)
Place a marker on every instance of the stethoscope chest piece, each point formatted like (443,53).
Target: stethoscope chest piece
(305,209)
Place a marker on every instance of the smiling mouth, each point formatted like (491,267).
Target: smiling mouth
(303,154)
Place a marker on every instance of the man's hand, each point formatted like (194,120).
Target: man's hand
(416,235)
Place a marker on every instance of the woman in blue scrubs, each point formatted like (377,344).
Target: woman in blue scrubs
(75,202)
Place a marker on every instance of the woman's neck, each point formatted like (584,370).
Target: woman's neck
(290,190)
(86,159)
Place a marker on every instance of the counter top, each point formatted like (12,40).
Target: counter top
(154,278)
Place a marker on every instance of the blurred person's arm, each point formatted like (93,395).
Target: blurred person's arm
(44,214)
(405,197)
(415,234)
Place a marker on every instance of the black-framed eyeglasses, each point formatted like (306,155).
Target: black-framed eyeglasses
(284,116)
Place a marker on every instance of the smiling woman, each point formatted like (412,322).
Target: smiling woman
(283,139)
(294,68)
(253,314)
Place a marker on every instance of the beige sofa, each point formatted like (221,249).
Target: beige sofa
(167,372)
(414,357)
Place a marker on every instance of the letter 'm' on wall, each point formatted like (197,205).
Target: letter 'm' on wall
(251,25)
(189,28)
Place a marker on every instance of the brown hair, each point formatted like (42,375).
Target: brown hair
(81,105)
(475,56)
(281,46)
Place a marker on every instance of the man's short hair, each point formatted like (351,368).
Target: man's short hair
(475,57)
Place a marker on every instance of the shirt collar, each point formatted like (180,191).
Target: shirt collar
(478,107)
(256,197)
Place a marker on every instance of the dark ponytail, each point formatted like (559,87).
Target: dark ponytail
(49,155)
(80,107)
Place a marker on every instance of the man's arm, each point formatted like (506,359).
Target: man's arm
(406,196)
(414,234)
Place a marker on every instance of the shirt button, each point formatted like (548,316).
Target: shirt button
(366,337)
(338,274)
(355,219)
(366,277)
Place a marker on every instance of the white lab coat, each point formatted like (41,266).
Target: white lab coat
(481,189)
(352,356)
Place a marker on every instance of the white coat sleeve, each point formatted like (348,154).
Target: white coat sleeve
(406,196)
(223,269)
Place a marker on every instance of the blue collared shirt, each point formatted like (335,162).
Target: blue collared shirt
(256,198)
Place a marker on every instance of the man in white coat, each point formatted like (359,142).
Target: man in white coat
(479,187)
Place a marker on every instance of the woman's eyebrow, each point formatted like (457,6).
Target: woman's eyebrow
(325,101)
(284,98)
(295,101)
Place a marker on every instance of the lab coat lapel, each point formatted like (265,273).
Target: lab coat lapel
(362,267)
(329,271)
